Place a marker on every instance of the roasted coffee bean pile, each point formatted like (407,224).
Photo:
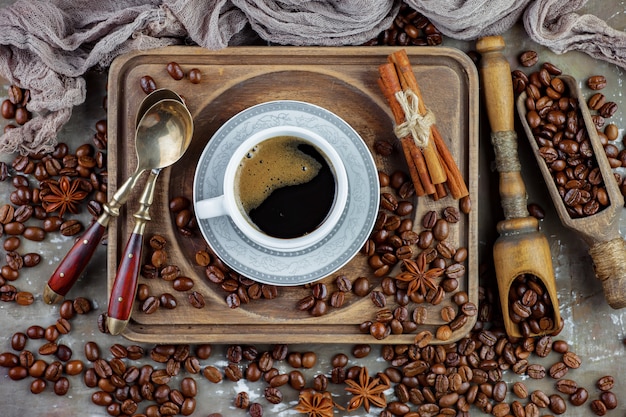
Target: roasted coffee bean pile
(449,379)
(14,107)
(426,249)
(530,306)
(48,189)
(237,288)
(183,216)
(554,116)
(393,238)
(51,362)
(409,28)
(159,267)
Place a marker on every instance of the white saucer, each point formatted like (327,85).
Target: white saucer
(345,240)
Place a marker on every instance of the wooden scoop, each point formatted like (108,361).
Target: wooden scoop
(520,249)
(601,230)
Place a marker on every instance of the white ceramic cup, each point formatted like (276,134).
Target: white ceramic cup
(227,204)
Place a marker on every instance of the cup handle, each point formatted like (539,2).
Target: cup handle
(211,207)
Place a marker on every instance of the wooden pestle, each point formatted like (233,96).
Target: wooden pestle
(521,248)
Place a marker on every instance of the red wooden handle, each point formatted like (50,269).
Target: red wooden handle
(76,260)
(125,284)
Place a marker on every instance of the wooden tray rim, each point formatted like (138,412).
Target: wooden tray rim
(195,333)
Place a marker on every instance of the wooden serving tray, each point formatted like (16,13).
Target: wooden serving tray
(342,80)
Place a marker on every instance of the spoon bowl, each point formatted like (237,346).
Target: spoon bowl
(163,134)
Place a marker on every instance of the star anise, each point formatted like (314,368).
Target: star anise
(64,196)
(419,277)
(315,404)
(366,391)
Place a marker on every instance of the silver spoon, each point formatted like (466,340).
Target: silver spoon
(75,261)
(170,126)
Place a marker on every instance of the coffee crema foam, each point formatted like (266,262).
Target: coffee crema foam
(273,164)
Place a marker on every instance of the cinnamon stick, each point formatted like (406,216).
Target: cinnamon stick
(408,81)
(454,180)
(389,85)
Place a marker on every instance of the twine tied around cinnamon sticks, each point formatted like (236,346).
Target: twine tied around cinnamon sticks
(416,125)
(429,161)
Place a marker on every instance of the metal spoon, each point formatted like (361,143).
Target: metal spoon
(76,260)
(170,126)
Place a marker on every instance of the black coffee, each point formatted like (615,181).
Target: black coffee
(286,187)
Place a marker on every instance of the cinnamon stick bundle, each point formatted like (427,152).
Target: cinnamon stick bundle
(432,165)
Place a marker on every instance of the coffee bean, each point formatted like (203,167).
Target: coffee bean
(150,305)
(170,272)
(196,299)
(605,383)
(611,131)
(571,360)
(566,386)
(596,82)
(536,371)
(101,398)
(306,303)
(24,298)
(441,230)
(74,367)
(212,374)
(34,233)
(147,84)
(7,110)
(175,71)
(388,201)
(579,396)
(361,286)
(596,101)
(404,208)
(378,298)
(255,410)
(71,227)
(195,76)
(443,332)
(21,115)
(14,228)
(54,371)
(429,219)
(598,407)
(168,301)
(38,386)
(182,284)
(320,307)
(609,399)
(90,378)
(608,109)
(558,370)
(536,211)
(9,360)
(18,373)
(528,58)
(61,386)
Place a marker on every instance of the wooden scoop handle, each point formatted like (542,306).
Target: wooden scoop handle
(609,259)
(498,91)
(521,249)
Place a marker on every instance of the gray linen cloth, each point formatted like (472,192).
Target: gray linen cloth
(47,46)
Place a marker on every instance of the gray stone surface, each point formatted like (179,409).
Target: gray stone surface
(592,329)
